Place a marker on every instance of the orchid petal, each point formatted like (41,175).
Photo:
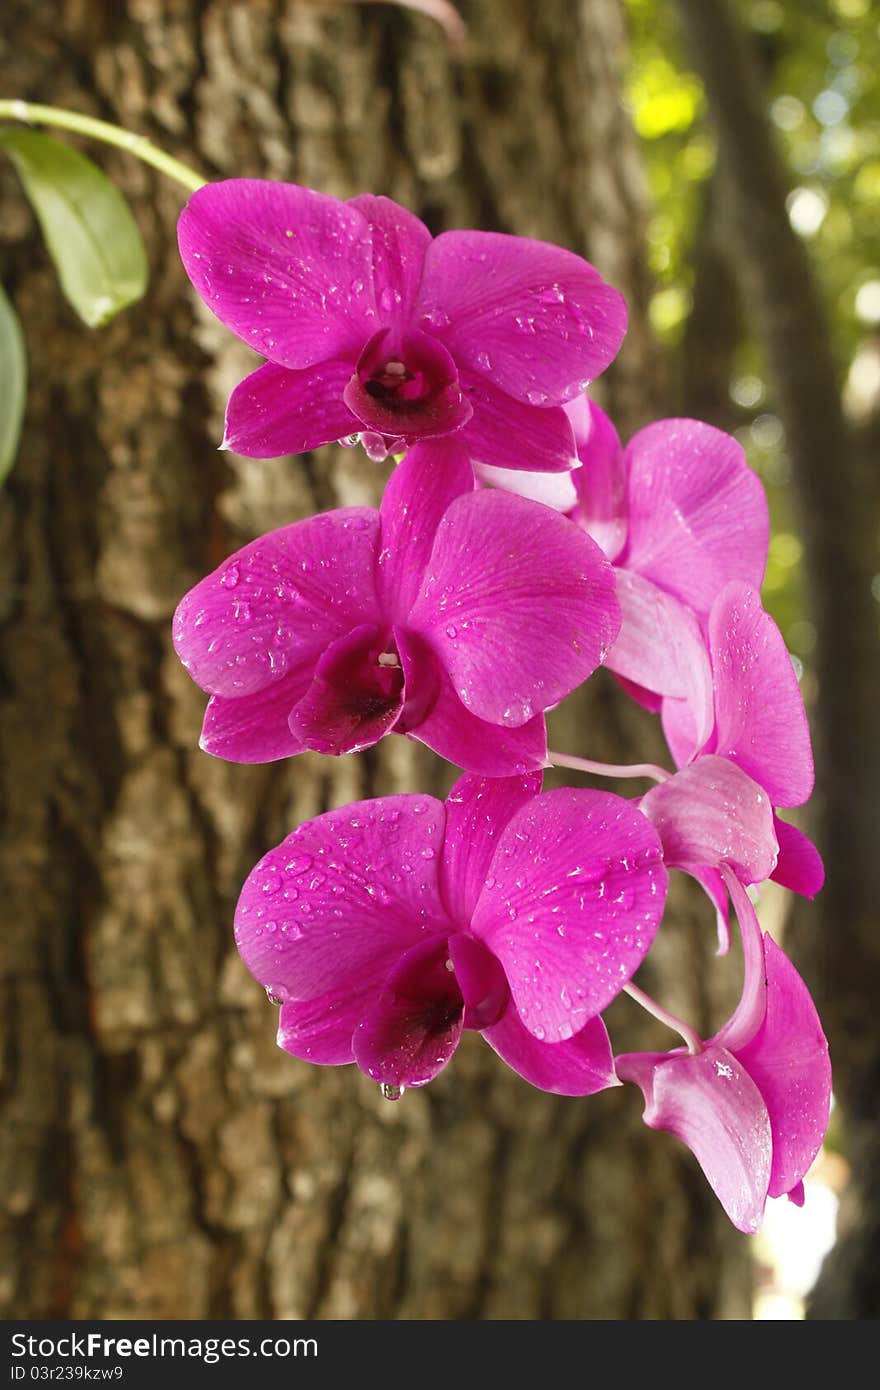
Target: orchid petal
(288,270)
(511,434)
(580,1066)
(270,609)
(788,1060)
(749,1013)
(477,810)
(697,512)
(760,719)
(411,1031)
(572,901)
(338,903)
(353,700)
(254,728)
(712,1105)
(710,814)
(601,482)
(489,750)
(799,866)
(538,320)
(554,490)
(419,491)
(399,243)
(321,1030)
(275,411)
(661,648)
(518,604)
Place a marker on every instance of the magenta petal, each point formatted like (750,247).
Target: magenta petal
(581,1066)
(537,320)
(749,1013)
(481,980)
(273,607)
(573,897)
(413,1028)
(399,243)
(321,1030)
(336,905)
(710,1102)
(418,493)
(518,604)
(601,482)
(254,728)
(697,512)
(660,647)
(477,810)
(275,411)
(511,434)
(710,814)
(760,719)
(799,866)
(353,699)
(788,1061)
(680,730)
(489,750)
(286,269)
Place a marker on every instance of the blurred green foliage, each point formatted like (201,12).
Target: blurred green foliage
(821,60)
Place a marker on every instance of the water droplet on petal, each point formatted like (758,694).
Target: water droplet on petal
(390,1091)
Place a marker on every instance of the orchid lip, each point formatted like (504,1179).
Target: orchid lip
(406,388)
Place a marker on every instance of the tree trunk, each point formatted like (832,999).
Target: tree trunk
(162,1157)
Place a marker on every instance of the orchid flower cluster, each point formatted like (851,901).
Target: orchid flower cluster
(518,546)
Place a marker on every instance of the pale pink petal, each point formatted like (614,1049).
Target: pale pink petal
(254,728)
(710,1102)
(799,866)
(680,730)
(399,243)
(337,904)
(601,482)
(760,719)
(477,810)
(554,490)
(580,1066)
(511,434)
(711,814)
(661,648)
(537,320)
(788,1060)
(518,604)
(573,897)
(748,1015)
(697,512)
(272,608)
(419,491)
(286,269)
(275,411)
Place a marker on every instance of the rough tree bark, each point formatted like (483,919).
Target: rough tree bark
(161,1156)
(835,484)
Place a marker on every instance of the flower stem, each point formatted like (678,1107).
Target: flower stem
(657,774)
(102,130)
(684,1030)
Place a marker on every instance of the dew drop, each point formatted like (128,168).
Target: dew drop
(391,1091)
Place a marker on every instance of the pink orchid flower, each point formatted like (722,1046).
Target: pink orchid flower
(718,809)
(387,927)
(453,615)
(752,1104)
(373,328)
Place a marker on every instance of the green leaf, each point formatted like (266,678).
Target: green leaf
(13,383)
(88,226)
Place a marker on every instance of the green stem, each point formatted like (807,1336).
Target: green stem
(102,130)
